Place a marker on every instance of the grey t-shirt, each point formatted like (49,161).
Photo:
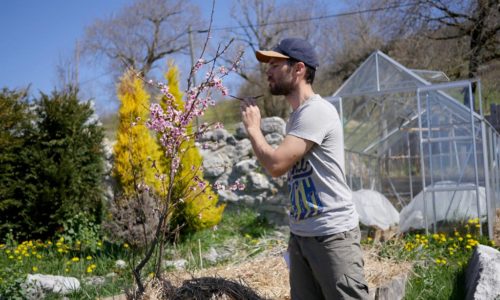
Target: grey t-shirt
(321,200)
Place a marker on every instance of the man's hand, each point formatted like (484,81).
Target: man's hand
(250,114)
(277,161)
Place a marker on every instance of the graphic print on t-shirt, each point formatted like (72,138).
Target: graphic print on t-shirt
(303,196)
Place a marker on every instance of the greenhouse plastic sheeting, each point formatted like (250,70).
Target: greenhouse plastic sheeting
(374,209)
(458,205)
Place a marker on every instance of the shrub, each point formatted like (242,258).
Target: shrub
(132,220)
(135,148)
(15,128)
(60,165)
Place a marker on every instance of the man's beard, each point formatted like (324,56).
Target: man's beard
(281,88)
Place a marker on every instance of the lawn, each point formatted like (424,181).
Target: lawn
(245,245)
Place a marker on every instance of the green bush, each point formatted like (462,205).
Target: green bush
(15,128)
(58,166)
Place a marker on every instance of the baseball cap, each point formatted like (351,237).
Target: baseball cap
(295,48)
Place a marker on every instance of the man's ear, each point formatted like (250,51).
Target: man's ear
(300,68)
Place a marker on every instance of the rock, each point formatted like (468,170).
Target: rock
(51,283)
(244,148)
(211,256)
(246,166)
(258,181)
(393,290)
(219,134)
(274,138)
(178,264)
(120,264)
(227,196)
(241,132)
(215,165)
(482,279)
(94,280)
(273,125)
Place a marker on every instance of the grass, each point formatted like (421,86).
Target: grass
(242,228)
(439,259)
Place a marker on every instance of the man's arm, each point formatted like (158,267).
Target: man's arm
(276,161)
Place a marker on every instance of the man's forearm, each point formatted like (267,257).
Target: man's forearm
(264,152)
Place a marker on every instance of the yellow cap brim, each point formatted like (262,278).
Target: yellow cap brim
(265,56)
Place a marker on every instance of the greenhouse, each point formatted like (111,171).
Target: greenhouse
(423,142)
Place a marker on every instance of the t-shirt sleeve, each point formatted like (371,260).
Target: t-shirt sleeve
(311,123)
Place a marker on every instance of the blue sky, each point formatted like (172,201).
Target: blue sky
(35,34)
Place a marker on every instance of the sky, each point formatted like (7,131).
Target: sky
(36,34)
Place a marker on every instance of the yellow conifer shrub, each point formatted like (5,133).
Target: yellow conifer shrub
(135,148)
(198,208)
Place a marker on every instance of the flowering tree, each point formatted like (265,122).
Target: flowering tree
(172,123)
(197,205)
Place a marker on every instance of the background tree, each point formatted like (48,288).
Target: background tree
(141,34)
(261,25)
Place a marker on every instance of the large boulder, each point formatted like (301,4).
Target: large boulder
(483,274)
(40,283)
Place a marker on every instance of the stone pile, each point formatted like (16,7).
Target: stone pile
(228,158)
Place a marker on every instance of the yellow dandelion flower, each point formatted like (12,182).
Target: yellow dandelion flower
(443,261)
(66,270)
(75,259)
(89,270)
(2,246)
(11,256)
(438,261)
(99,244)
(89,257)
(60,250)
(478,225)
(34,269)
(460,239)
(93,266)
(38,256)
(78,243)
(369,239)
(468,247)
(492,243)
(61,239)
(468,236)
(125,245)
(7,251)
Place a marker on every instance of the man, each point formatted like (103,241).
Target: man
(326,260)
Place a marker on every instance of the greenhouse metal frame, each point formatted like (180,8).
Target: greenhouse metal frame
(413,133)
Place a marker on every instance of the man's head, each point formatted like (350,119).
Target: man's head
(294,50)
